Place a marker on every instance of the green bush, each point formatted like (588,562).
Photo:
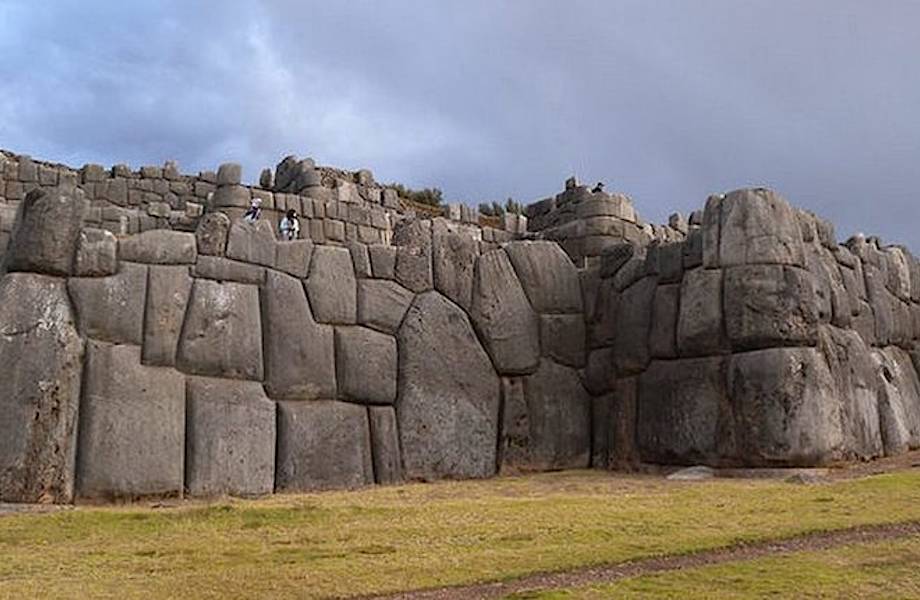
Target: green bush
(429,196)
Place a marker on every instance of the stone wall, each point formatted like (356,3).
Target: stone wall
(220,360)
(226,362)
(756,341)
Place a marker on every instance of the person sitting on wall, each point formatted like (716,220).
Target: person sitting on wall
(598,188)
(254,212)
(290,226)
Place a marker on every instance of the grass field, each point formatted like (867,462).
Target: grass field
(879,570)
(389,539)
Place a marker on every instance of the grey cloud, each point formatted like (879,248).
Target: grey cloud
(667,101)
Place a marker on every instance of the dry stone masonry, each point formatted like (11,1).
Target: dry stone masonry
(155,344)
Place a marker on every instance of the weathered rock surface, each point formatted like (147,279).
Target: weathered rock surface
(212,233)
(551,427)
(293,257)
(365,362)
(454,261)
(413,255)
(111,309)
(769,305)
(132,426)
(42,356)
(684,415)
(222,334)
(662,339)
(97,253)
(758,227)
(224,269)
(784,400)
(332,287)
(323,445)
(299,352)
(548,276)
(634,323)
(159,247)
(168,291)
(382,304)
(563,339)
(230,438)
(503,316)
(385,439)
(700,327)
(448,400)
(45,234)
(252,242)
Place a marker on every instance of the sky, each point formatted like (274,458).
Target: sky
(665,100)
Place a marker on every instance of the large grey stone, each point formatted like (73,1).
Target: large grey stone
(382,304)
(562,338)
(111,309)
(332,287)
(222,333)
(454,261)
(634,322)
(413,255)
(854,373)
(385,441)
(97,253)
(365,362)
(662,340)
(230,438)
(132,426)
(323,445)
(757,226)
(557,413)
(44,235)
(42,356)
(225,269)
(603,329)
(684,416)
(699,327)
(383,261)
(229,174)
(503,316)
(168,290)
(623,431)
(211,234)
(299,353)
(548,276)
(899,400)
(252,242)
(294,257)
(784,401)
(769,305)
(448,399)
(159,247)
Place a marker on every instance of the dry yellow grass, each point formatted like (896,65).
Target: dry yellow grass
(387,539)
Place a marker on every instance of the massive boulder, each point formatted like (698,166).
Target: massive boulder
(45,234)
(453,263)
(323,444)
(111,309)
(382,304)
(332,287)
(365,365)
(547,421)
(159,247)
(299,352)
(758,227)
(699,326)
(785,402)
(684,415)
(503,316)
(42,356)
(448,399)
(413,255)
(230,445)
(132,426)
(548,276)
(222,334)
(168,291)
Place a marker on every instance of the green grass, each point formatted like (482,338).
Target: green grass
(389,539)
(876,570)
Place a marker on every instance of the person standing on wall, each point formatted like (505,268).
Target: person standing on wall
(290,226)
(254,212)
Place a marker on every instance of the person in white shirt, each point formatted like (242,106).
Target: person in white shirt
(254,213)
(290,226)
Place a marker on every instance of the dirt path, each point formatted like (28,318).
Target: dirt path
(614,572)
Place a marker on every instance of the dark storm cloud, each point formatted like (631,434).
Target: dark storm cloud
(667,101)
